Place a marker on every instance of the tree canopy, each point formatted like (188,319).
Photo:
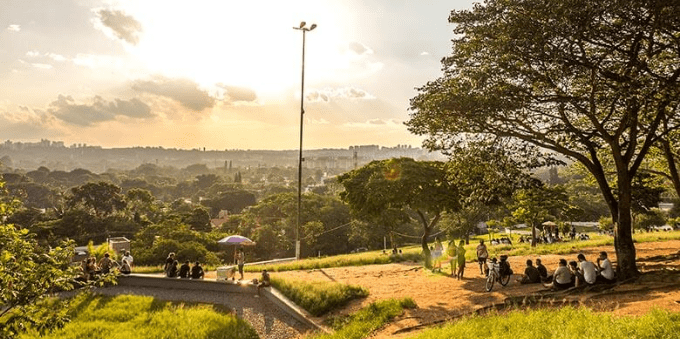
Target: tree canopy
(571,77)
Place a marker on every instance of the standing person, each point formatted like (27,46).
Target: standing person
(168,262)
(127,257)
(606,269)
(197,271)
(482,255)
(460,253)
(105,264)
(452,250)
(184,270)
(240,261)
(437,254)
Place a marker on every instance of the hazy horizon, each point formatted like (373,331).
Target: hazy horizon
(220,75)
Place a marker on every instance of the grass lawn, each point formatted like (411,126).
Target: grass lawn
(319,297)
(127,316)
(564,323)
(368,319)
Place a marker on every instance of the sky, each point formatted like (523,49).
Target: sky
(217,74)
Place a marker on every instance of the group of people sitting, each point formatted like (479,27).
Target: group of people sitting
(91,268)
(572,274)
(185,271)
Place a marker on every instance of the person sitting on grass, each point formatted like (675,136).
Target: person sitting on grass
(264,281)
(172,271)
(586,270)
(562,278)
(197,271)
(576,275)
(542,271)
(185,270)
(606,275)
(531,274)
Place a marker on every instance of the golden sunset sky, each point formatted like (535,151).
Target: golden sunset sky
(216,74)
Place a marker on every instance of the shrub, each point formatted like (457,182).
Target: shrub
(319,297)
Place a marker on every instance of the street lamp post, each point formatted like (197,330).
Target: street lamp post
(302,114)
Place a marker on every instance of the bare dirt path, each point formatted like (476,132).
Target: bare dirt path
(440,297)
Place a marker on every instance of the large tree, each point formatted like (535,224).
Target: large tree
(418,186)
(568,76)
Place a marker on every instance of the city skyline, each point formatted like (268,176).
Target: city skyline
(219,75)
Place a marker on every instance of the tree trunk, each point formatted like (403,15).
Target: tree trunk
(533,235)
(623,234)
(426,249)
(672,168)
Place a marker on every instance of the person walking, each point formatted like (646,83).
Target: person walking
(460,254)
(482,255)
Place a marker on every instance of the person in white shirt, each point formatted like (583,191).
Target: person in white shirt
(127,257)
(562,278)
(587,270)
(606,270)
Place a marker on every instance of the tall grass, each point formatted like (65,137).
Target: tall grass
(563,323)
(319,297)
(368,319)
(126,317)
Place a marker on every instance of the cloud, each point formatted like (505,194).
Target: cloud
(32,54)
(326,95)
(123,26)
(424,53)
(14,28)
(359,48)
(185,91)
(53,56)
(236,94)
(373,123)
(66,109)
(42,66)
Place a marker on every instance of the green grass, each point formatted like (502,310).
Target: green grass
(562,323)
(357,259)
(126,316)
(319,297)
(368,319)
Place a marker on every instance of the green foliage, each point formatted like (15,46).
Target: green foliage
(319,297)
(565,322)
(370,318)
(28,273)
(99,251)
(127,316)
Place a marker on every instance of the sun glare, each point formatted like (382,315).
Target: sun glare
(247,44)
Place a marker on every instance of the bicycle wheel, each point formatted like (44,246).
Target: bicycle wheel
(489,281)
(505,279)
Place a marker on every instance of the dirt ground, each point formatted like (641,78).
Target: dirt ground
(440,297)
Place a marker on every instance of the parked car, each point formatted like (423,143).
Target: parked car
(359,250)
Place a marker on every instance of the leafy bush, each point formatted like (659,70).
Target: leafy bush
(319,297)
(126,316)
(562,323)
(370,318)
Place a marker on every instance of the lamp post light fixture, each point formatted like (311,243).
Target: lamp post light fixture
(304,30)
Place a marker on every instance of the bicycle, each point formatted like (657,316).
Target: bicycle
(495,273)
